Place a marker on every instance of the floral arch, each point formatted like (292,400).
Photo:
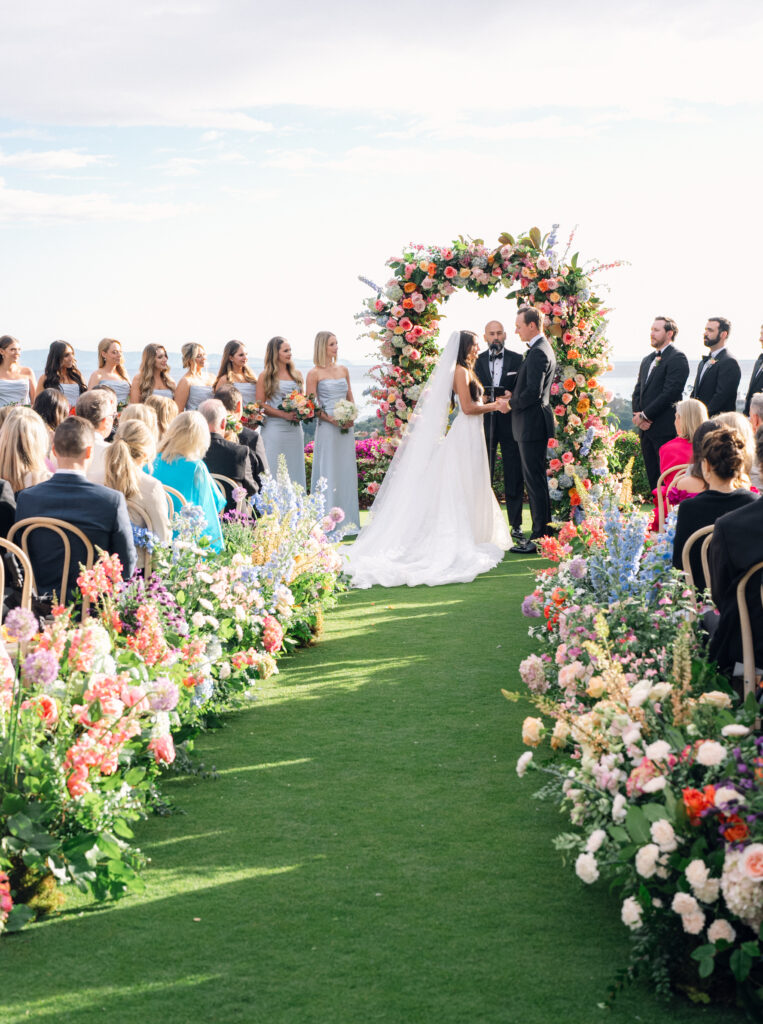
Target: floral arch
(404,317)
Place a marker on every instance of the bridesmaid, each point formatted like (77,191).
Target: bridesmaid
(111,370)
(195,386)
(17,383)
(234,369)
(61,372)
(153,377)
(334,452)
(282,432)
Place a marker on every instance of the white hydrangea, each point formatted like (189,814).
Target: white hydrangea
(664,835)
(743,896)
(595,840)
(693,923)
(630,913)
(646,860)
(586,868)
(734,730)
(708,891)
(711,753)
(720,929)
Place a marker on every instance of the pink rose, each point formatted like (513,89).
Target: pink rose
(559,410)
(566,398)
(378,305)
(555,388)
(163,749)
(553,443)
(555,464)
(372,488)
(450,272)
(567,458)
(406,324)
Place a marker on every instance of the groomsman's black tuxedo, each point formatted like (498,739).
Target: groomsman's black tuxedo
(498,429)
(655,395)
(532,424)
(720,382)
(756,383)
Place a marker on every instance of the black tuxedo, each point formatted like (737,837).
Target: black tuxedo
(98,511)
(655,395)
(719,384)
(533,424)
(253,440)
(233,460)
(498,431)
(756,383)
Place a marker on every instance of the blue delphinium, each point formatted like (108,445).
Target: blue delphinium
(658,558)
(614,567)
(144,538)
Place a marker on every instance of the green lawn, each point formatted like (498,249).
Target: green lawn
(366,853)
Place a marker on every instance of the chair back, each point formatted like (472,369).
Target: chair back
(60,527)
(139,515)
(748,647)
(686,553)
(26,565)
(171,494)
(226,486)
(663,505)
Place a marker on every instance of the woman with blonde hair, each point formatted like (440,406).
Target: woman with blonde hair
(235,369)
(737,421)
(144,413)
(166,410)
(334,452)
(195,386)
(153,377)
(128,468)
(690,413)
(179,464)
(24,444)
(111,370)
(282,432)
(18,385)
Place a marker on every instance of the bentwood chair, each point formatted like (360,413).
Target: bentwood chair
(223,483)
(663,505)
(171,495)
(705,531)
(748,647)
(139,515)
(26,565)
(58,526)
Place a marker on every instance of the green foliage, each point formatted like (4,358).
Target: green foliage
(627,447)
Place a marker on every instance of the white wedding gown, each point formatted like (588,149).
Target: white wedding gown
(438,520)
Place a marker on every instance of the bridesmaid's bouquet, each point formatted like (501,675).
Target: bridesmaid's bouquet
(252,415)
(305,406)
(345,413)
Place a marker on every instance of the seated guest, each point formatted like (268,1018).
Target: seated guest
(756,421)
(690,483)
(107,389)
(52,408)
(132,452)
(231,398)
(180,465)
(736,546)
(166,410)
(24,445)
(98,408)
(722,467)
(100,513)
(678,451)
(7,508)
(229,458)
(737,421)
(139,411)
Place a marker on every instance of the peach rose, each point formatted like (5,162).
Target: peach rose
(567,398)
(752,862)
(532,731)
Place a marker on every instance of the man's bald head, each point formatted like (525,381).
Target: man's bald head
(495,333)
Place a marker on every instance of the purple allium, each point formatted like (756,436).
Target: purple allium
(337,514)
(531,608)
(21,624)
(163,695)
(40,668)
(578,567)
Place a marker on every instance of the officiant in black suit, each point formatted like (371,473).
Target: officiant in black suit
(660,384)
(756,381)
(496,370)
(532,420)
(718,373)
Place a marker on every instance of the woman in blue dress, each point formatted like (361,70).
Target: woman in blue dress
(334,452)
(153,377)
(195,386)
(235,369)
(282,432)
(180,464)
(111,370)
(61,372)
(17,383)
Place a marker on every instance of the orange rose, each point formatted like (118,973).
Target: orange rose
(583,406)
(543,285)
(696,802)
(734,829)
(407,303)
(573,353)
(574,496)
(409,287)
(432,269)
(569,384)
(554,296)
(464,272)
(593,383)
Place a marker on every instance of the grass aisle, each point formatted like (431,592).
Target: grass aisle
(366,854)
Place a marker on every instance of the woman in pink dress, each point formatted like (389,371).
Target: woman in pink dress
(678,451)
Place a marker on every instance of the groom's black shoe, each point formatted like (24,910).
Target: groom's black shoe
(518,537)
(525,548)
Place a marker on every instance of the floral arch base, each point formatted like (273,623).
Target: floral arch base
(404,317)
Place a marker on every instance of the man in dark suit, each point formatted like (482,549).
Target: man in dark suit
(718,373)
(231,398)
(660,384)
(532,420)
(229,458)
(98,511)
(756,381)
(496,369)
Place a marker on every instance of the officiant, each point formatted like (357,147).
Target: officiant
(497,370)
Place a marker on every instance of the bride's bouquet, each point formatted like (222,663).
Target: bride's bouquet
(345,413)
(305,406)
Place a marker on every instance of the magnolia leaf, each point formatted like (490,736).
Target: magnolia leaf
(637,825)
(535,237)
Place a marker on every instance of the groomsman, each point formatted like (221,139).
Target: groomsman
(660,384)
(496,370)
(718,373)
(756,381)
(532,422)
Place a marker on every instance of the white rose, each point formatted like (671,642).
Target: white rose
(595,840)
(697,873)
(630,913)
(657,751)
(693,923)
(197,620)
(711,754)
(734,730)
(654,785)
(618,808)
(664,835)
(523,762)
(586,869)
(720,929)
(684,904)
(708,891)
(659,691)
(646,860)
(639,693)
(725,795)
(716,699)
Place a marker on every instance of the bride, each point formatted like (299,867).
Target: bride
(435,519)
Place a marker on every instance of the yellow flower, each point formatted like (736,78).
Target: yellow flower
(464,272)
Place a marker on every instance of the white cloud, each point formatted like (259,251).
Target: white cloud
(51,160)
(22,205)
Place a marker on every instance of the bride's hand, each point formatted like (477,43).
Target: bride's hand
(502,404)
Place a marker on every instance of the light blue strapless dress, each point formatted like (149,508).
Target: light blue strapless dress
(164,392)
(122,390)
(14,392)
(249,391)
(70,392)
(197,393)
(334,456)
(282,437)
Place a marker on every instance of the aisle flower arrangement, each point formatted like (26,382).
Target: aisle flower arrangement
(403,316)
(652,756)
(91,713)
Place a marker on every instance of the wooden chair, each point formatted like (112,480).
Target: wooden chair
(171,494)
(139,515)
(26,565)
(748,648)
(685,554)
(58,526)
(663,505)
(224,482)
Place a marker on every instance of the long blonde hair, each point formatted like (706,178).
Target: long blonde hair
(187,438)
(738,422)
(226,370)
(24,443)
(133,446)
(320,356)
(166,410)
(143,413)
(692,413)
(272,369)
(103,346)
(148,369)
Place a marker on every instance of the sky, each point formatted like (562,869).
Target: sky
(199,170)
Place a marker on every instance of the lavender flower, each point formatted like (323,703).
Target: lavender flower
(531,607)
(40,668)
(21,624)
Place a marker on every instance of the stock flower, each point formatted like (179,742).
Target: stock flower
(664,835)
(646,860)
(630,913)
(163,749)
